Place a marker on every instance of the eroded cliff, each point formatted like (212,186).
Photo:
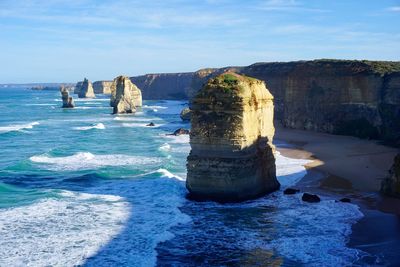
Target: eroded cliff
(102,87)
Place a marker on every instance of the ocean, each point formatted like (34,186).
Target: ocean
(82,187)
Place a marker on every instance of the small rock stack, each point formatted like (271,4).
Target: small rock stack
(68,101)
(125,96)
(232,156)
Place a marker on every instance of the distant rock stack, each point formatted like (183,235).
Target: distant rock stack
(125,96)
(391,184)
(102,87)
(86,90)
(68,101)
(232,156)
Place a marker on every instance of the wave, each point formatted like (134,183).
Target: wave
(88,161)
(17,127)
(136,119)
(165,147)
(99,126)
(73,224)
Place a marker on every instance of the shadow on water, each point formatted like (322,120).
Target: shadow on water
(158,231)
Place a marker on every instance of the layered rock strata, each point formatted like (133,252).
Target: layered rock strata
(86,90)
(349,97)
(125,96)
(102,87)
(232,156)
(68,101)
(391,184)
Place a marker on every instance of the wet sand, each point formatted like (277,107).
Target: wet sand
(344,166)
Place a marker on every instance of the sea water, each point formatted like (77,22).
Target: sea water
(82,187)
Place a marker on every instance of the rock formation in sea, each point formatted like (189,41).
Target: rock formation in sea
(391,184)
(358,98)
(77,87)
(86,90)
(68,101)
(232,156)
(125,96)
(185,114)
(102,87)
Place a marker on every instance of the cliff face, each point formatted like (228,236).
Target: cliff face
(102,87)
(358,98)
(231,139)
(125,96)
(391,184)
(164,86)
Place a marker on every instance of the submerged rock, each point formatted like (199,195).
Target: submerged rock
(345,200)
(310,198)
(181,131)
(185,114)
(232,156)
(291,191)
(68,101)
(391,185)
(151,124)
(125,96)
(86,90)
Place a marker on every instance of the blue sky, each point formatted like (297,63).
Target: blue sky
(66,40)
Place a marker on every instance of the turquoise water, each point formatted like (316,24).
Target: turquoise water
(84,187)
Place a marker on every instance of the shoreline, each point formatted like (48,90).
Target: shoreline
(343,166)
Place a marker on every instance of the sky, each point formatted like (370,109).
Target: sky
(67,40)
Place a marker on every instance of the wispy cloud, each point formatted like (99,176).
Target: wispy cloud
(394,9)
(288,6)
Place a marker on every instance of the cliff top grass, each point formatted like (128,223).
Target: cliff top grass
(230,81)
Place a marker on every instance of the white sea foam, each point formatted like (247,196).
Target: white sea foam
(177,139)
(60,232)
(17,127)
(168,174)
(99,126)
(165,147)
(154,107)
(86,161)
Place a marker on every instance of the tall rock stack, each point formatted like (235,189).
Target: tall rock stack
(67,100)
(391,184)
(232,156)
(86,90)
(125,96)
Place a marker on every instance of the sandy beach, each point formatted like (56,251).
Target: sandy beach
(344,166)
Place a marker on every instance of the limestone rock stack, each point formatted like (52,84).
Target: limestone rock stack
(232,156)
(185,114)
(125,96)
(86,90)
(67,100)
(391,184)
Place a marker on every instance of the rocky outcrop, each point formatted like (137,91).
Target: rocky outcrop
(102,87)
(86,90)
(232,156)
(358,98)
(125,96)
(68,101)
(185,114)
(391,184)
